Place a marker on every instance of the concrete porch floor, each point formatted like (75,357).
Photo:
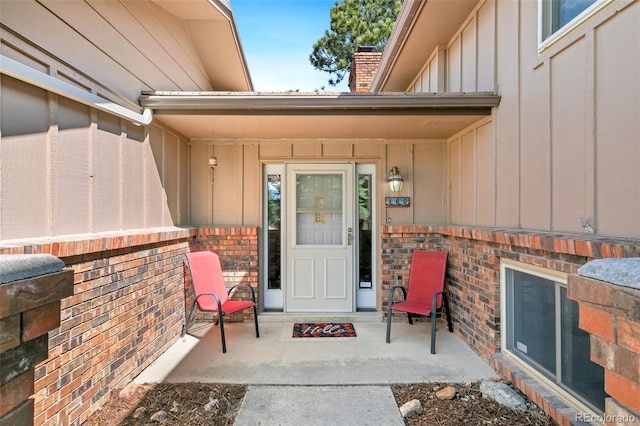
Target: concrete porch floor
(279,368)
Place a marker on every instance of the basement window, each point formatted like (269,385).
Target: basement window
(542,332)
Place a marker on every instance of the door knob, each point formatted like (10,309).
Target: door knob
(349,236)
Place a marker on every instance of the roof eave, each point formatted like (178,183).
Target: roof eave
(213,29)
(201,103)
(421,26)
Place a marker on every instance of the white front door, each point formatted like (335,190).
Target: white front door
(320,236)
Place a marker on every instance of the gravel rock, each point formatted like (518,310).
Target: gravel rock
(503,394)
(448,392)
(410,408)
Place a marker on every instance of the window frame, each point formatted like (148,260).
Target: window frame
(561,280)
(546,16)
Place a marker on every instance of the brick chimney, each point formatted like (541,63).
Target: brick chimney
(363,69)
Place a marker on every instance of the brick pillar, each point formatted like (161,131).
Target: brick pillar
(611,314)
(363,69)
(31,287)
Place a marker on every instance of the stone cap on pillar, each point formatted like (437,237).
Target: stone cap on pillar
(619,271)
(14,267)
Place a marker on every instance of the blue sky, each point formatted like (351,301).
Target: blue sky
(277,37)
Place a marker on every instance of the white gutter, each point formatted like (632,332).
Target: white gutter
(45,81)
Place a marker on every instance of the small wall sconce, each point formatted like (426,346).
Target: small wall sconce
(394,180)
(213,163)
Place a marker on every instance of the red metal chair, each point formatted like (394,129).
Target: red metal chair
(211,292)
(425,292)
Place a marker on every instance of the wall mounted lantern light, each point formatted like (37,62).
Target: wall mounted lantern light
(394,180)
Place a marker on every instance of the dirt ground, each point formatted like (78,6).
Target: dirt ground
(217,404)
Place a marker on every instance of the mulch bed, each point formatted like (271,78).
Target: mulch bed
(469,407)
(183,405)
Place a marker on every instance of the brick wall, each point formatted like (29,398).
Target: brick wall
(363,69)
(473,283)
(473,271)
(398,243)
(238,252)
(29,308)
(611,314)
(127,307)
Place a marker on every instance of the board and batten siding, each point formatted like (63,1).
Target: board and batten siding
(232,193)
(120,44)
(67,169)
(564,139)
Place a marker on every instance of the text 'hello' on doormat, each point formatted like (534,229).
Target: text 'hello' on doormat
(324,329)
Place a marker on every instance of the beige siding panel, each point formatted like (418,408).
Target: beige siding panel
(307,149)
(455,180)
(172,168)
(429,194)
(423,81)
(106,176)
(368,149)
(114,42)
(454,60)
(534,153)
(535,144)
(201,187)
(133,184)
(275,149)
(569,138)
(486,177)
(227,192)
(433,75)
(618,125)
(24,208)
(252,202)
(399,154)
(19,56)
(24,108)
(468,194)
(137,45)
(179,42)
(506,121)
(183,186)
(174,39)
(155,198)
(486,47)
(337,149)
(469,57)
(55,36)
(71,162)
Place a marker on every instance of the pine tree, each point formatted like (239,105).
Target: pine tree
(353,23)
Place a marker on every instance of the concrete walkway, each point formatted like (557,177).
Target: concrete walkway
(319,381)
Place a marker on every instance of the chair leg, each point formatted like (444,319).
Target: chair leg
(221,321)
(255,317)
(389,315)
(448,313)
(188,320)
(433,329)
(410,318)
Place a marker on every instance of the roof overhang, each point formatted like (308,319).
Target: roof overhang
(215,36)
(251,115)
(421,26)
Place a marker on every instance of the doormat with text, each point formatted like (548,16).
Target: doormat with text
(324,329)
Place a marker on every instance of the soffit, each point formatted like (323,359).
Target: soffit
(214,33)
(422,25)
(209,115)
